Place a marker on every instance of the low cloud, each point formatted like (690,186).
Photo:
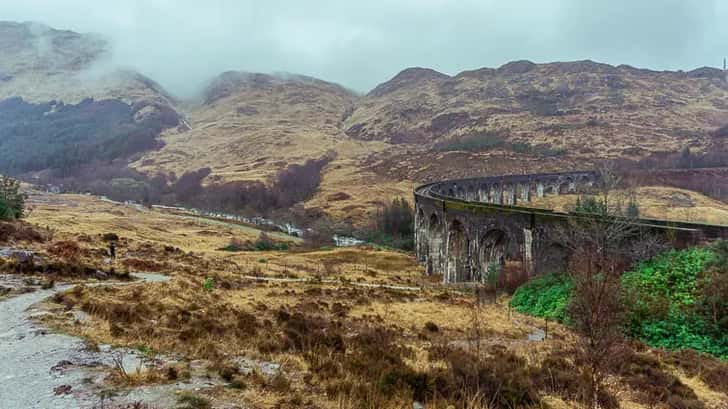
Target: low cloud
(183,43)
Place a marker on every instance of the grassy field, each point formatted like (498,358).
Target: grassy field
(658,202)
(341,340)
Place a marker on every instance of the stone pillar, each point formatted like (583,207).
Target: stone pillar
(539,189)
(418,236)
(525,192)
(483,193)
(496,194)
(528,251)
(471,194)
(435,256)
(509,194)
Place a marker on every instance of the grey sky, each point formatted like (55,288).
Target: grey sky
(183,43)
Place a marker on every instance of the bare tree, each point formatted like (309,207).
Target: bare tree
(601,244)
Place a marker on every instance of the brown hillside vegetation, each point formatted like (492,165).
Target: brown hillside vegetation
(655,202)
(339,343)
(419,126)
(423,125)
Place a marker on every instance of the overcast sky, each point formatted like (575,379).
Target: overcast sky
(183,43)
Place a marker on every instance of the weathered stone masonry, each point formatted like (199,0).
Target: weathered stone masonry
(464,226)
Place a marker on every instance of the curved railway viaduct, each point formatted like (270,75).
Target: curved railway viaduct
(463,226)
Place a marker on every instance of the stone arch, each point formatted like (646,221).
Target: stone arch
(551,257)
(458,254)
(554,187)
(565,186)
(583,183)
(492,251)
(571,184)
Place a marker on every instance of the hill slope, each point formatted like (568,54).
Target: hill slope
(246,126)
(419,126)
(60,107)
(618,110)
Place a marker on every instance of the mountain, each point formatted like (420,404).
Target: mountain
(247,126)
(617,111)
(60,106)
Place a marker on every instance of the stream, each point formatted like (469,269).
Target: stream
(46,370)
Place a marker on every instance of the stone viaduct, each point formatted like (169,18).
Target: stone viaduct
(464,226)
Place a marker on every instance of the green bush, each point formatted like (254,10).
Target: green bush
(12,201)
(664,294)
(546,296)
(209,284)
(665,301)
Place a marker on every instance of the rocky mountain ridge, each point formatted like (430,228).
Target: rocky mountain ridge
(420,125)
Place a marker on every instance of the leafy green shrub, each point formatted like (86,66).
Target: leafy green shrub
(209,284)
(546,296)
(712,302)
(666,301)
(12,202)
(663,295)
(590,205)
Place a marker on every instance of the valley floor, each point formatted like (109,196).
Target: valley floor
(329,328)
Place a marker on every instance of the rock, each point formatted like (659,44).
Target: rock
(61,365)
(338,196)
(417,405)
(100,275)
(247,366)
(62,390)
(19,255)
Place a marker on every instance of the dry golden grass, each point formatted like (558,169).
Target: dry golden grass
(283,322)
(77,215)
(657,202)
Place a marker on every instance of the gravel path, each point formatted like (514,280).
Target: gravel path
(40,369)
